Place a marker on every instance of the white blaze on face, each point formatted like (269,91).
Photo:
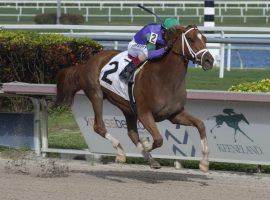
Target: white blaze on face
(199,36)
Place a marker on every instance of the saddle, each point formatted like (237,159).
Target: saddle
(110,77)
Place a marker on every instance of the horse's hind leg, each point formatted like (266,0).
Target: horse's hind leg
(121,156)
(185,118)
(95,95)
(134,136)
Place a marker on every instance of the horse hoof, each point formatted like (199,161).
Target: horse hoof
(154,164)
(120,159)
(204,165)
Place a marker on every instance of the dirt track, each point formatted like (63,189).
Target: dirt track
(83,181)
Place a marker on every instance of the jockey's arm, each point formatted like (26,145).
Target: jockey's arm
(152,51)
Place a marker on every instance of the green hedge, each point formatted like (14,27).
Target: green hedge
(257,86)
(35,58)
(50,18)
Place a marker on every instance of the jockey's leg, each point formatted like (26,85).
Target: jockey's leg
(138,55)
(139,59)
(186,119)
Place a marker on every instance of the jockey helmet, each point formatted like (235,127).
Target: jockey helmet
(169,23)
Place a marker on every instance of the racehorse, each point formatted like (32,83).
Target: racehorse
(232,120)
(159,91)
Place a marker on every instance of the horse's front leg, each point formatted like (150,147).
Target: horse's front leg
(186,119)
(131,120)
(147,119)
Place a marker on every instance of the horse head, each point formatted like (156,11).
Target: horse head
(191,44)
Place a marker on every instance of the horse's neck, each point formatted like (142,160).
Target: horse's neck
(173,69)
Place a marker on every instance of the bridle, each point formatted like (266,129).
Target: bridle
(194,54)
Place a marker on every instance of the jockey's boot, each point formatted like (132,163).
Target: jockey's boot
(127,72)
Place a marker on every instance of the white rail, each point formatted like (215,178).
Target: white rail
(218,2)
(121,4)
(224,9)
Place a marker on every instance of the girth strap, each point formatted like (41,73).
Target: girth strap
(130,94)
(131,83)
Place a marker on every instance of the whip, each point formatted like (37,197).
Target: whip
(149,11)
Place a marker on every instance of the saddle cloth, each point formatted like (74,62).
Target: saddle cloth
(109,76)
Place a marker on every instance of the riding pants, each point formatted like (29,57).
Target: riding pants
(138,51)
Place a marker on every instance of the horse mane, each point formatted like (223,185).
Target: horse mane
(172,34)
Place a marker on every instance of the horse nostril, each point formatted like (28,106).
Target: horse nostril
(208,63)
(209,60)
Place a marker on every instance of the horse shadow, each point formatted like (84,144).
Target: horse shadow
(150,177)
(232,120)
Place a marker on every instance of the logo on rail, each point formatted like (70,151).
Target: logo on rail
(229,118)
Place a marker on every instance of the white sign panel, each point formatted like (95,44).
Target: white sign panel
(236,131)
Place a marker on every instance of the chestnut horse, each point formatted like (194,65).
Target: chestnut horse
(159,92)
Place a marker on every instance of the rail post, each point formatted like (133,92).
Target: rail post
(37,145)
(44,127)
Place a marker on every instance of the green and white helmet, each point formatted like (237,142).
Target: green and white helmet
(169,23)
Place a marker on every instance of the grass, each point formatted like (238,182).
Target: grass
(64,133)
(116,21)
(209,80)
(12,153)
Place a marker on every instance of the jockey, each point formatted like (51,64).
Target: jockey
(146,45)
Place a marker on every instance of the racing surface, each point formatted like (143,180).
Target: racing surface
(44,179)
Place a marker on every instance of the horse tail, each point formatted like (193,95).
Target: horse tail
(68,83)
